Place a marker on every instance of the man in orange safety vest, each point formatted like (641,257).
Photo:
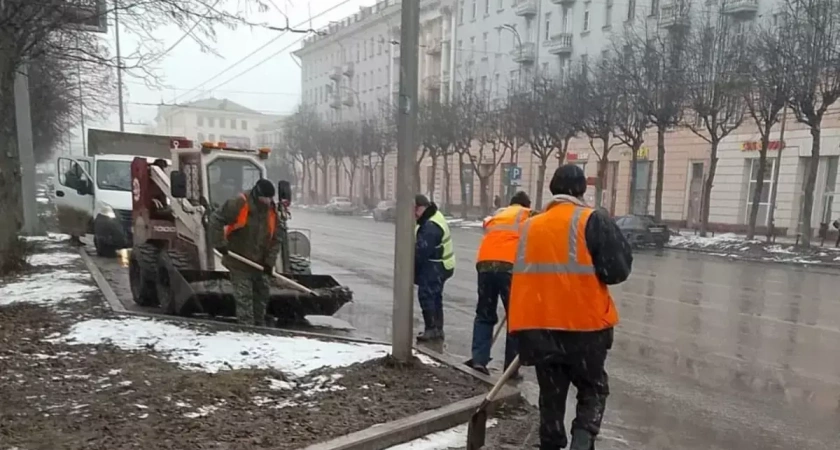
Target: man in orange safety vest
(494,264)
(561,312)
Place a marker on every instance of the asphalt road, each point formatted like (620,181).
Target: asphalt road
(710,353)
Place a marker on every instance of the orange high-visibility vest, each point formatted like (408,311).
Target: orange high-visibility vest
(501,234)
(554,286)
(242,219)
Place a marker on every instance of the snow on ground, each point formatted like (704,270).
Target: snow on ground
(452,438)
(212,352)
(53,259)
(46,288)
(721,240)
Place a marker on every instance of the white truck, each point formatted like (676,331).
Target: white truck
(93,193)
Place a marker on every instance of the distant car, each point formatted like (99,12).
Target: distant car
(643,231)
(340,206)
(385,211)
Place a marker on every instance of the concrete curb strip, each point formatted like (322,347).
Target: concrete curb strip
(377,437)
(383,436)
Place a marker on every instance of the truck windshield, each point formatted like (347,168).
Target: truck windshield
(113,175)
(228,178)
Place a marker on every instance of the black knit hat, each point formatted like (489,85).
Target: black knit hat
(421,200)
(521,198)
(264,188)
(568,179)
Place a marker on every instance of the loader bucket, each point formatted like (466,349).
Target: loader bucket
(212,293)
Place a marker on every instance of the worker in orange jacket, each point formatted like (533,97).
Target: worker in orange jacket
(494,264)
(561,311)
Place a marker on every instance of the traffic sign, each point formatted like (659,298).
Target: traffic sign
(515,175)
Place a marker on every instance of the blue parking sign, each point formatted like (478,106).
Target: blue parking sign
(515,175)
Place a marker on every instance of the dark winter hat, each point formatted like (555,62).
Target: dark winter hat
(421,200)
(264,188)
(521,198)
(568,179)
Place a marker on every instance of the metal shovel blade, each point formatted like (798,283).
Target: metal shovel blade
(477,428)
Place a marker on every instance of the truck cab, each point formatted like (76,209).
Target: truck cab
(93,194)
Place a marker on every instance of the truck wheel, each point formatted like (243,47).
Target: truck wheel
(299,265)
(163,281)
(103,250)
(142,266)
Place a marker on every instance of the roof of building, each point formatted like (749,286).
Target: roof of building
(221,104)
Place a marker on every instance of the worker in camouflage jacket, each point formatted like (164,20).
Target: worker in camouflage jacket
(248,226)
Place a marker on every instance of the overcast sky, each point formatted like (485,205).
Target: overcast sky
(272,87)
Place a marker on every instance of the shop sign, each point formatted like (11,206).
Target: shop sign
(575,156)
(643,153)
(754,146)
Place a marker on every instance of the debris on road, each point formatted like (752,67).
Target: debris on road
(737,247)
(73,374)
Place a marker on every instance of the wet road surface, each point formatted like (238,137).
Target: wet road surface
(710,353)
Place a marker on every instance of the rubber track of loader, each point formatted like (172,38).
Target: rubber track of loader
(298,265)
(147,258)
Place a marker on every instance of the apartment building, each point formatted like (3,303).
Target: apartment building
(212,120)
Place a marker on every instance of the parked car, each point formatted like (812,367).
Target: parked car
(385,211)
(340,206)
(642,231)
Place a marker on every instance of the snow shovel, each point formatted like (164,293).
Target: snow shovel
(496,334)
(477,427)
(292,283)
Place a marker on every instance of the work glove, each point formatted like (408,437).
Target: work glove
(223,250)
(268,270)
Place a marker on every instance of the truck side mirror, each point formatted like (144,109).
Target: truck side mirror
(85,187)
(178,184)
(284,191)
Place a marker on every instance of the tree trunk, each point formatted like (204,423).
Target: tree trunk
(303,180)
(708,183)
(599,186)
(634,162)
(541,182)
(447,181)
(759,184)
(430,183)
(808,188)
(483,182)
(464,202)
(382,176)
(325,167)
(660,171)
(371,181)
(338,179)
(417,177)
(351,175)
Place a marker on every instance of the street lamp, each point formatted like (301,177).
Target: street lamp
(512,29)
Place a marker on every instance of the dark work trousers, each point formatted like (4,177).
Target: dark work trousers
(585,370)
(491,287)
(430,296)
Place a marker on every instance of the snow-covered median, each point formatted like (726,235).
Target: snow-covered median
(737,247)
(447,439)
(212,352)
(46,288)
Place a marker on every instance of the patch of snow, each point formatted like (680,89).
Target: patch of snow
(139,406)
(212,352)
(125,383)
(472,224)
(724,240)
(53,259)
(46,288)
(113,372)
(779,249)
(427,360)
(368,216)
(201,412)
(42,200)
(143,416)
(452,438)
(278,385)
(50,237)
(837,258)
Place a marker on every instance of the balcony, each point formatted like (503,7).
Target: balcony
(433,47)
(742,8)
(431,82)
(559,44)
(335,102)
(525,7)
(674,15)
(525,53)
(348,69)
(349,99)
(563,2)
(335,74)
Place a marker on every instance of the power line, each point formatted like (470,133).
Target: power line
(342,3)
(178,42)
(182,89)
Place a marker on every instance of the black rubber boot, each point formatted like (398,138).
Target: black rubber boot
(439,323)
(430,331)
(582,440)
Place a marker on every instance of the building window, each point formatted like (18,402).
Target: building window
(222,122)
(358,51)
(484,45)
(654,8)
(461,13)
(244,124)
(547,26)
(200,137)
(200,121)
(766,187)
(483,84)
(486,7)
(496,82)
(641,191)
(631,9)
(212,137)
(474,9)
(381,39)
(586,18)
(608,13)
(501,5)
(232,124)
(211,122)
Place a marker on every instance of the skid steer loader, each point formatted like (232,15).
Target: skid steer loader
(173,265)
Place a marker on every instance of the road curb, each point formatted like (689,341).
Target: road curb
(377,437)
(383,436)
(719,253)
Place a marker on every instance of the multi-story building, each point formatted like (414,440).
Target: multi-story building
(215,120)
(270,134)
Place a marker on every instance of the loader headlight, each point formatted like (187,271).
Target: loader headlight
(106,210)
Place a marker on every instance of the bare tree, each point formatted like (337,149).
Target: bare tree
(811,48)
(490,149)
(715,90)
(465,112)
(299,132)
(350,143)
(386,125)
(654,63)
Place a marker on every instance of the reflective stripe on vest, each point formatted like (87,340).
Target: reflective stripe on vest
(554,284)
(501,235)
(242,219)
(446,246)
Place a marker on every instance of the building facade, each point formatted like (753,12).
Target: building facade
(214,120)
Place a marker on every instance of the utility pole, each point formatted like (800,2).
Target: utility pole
(26,152)
(402,329)
(82,110)
(119,65)
(771,229)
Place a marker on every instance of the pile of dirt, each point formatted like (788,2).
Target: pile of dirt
(57,395)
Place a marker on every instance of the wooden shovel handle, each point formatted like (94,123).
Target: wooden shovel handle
(288,281)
